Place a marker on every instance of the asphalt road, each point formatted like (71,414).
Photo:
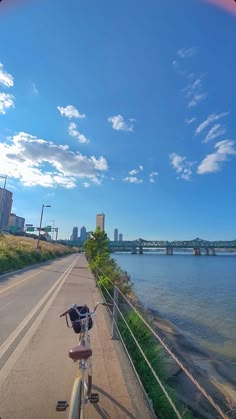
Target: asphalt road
(35,370)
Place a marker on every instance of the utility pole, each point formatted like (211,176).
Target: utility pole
(40,225)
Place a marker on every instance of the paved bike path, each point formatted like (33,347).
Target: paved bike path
(44,373)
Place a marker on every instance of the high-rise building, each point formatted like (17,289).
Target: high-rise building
(100,221)
(83,234)
(5,208)
(15,223)
(75,233)
(120,237)
(116,235)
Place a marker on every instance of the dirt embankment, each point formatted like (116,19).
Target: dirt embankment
(19,252)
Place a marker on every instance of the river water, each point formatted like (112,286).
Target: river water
(197,294)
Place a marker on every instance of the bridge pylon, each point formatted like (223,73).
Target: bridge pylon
(169,251)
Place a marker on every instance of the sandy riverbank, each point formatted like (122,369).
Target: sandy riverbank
(217,377)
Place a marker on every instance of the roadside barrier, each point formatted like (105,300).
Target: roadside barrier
(115,329)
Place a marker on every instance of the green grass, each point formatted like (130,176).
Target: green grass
(156,356)
(18,252)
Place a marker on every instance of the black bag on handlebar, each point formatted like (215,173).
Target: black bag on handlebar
(75,318)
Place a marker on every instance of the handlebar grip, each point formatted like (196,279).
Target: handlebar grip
(63,314)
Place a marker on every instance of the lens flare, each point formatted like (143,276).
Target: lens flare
(228,5)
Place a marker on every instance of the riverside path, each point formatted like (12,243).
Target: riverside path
(35,370)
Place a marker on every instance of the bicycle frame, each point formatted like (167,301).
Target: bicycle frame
(82,391)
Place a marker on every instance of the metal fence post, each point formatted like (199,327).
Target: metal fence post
(115,314)
(96,276)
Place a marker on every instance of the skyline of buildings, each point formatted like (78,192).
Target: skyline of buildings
(118,236)
(9,221)
(79,239)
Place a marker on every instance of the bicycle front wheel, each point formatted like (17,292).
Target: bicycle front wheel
(76,400)
(79,396)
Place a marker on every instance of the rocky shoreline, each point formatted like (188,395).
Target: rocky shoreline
(217,377)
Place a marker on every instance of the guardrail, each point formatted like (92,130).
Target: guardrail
(114,297)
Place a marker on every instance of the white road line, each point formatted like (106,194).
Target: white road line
(4,347)
(6,369)
(4,289)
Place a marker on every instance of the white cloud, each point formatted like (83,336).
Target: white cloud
(190,120)
(6,79)
(76,134)
(100,163)
(86,185)
(187,52)
(211,118)
(119,124)
(198,97)
(6,101)
(178,68)
(70,112)
(194,91)
(182,166)
(132,179)
(152,176)
(136,171)
(212,162)
(216,131)
(192,87)
(35,89)
(25,157)
(133,172)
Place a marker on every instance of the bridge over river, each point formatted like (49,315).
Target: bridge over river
(198,246)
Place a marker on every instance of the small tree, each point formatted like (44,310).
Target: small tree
(97,245)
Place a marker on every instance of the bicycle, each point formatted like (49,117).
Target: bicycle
(81,319)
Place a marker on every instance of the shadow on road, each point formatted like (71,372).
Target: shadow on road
(102,412)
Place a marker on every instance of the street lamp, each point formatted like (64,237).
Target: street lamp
(41,219)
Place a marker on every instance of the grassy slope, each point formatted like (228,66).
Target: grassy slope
(18,252)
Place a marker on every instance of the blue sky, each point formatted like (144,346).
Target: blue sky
(124,108)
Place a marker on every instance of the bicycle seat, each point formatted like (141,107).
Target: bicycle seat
(80,352)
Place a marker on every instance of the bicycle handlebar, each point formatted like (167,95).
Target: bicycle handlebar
(84,314)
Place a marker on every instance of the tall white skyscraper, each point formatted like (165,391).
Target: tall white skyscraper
(116,235)
(75,233)
(120,237)
(83,234)
(100,221)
